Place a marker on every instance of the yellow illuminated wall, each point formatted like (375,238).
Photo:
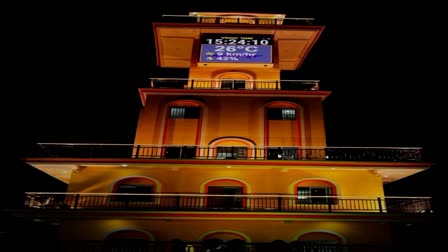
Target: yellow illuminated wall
(260,230)
(189,178)
(223,116)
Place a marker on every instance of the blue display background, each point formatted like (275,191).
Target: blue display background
(236,53)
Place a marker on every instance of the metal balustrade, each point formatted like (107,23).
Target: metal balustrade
(212,202)
(235,84)
(286,153)
(235,19)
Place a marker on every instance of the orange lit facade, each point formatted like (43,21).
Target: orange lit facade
(241,153)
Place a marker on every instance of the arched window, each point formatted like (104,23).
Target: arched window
(234,80)
(185,109)
(183,127)
(315,191)
(232,148)
(283,128)
(184,112)
(132,187)
(317,241)
(225,240)
(227,187)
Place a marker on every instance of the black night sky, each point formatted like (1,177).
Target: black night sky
(77,66)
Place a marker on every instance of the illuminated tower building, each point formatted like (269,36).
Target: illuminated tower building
(230,155)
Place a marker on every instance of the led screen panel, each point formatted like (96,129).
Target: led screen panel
(236,48)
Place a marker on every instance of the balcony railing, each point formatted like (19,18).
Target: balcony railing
(235,19)
(219,202)
(235,84)
(287,153)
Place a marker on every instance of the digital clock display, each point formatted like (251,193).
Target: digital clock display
(236,48)
(236,39)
